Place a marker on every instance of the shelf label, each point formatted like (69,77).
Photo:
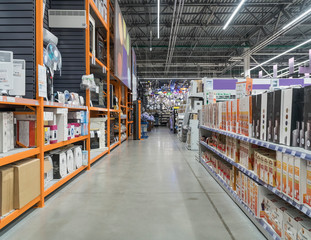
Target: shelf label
(93,60)
(10,99)
(303,155)
(276,148)
(293,153)
(283,150)
(104,69)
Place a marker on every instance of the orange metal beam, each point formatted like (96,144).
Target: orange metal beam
(99,156)
(98,14)
(19,156)
(64,143)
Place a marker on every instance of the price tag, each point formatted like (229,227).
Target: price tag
(276,148)
(256,142)
(293,153)
(303,155)
(268,145)
(93,60)
(104,69)
(10,99)
(283,150)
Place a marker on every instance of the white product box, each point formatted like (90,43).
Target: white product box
(4,132)
(6,70)
(268,201)
(59,159)
(304,230)
(219,119)
(26,117)
(85,155)
(19,78)
(291,223)
(284,173)
(277,215)
(245,116)
(48,116)
(70,161)
(48,169)
(99,123)
(235,116)
(263,117)
(74,115)
(307,197)
(300,179)
(279,168)
(290,176)
(77,154)
(11,137)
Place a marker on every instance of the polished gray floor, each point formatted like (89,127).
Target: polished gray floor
(148,190)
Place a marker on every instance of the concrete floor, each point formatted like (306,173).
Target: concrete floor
(148,190)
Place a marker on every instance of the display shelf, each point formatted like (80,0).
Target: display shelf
(61,105)
(17,154)
(196,95)
(100,63)
(301,207)
(18,101)
(98,15)
(64,143)
(55,184)
(261,224)
(295,151)
(98,109)
(114,110)
(97,154)
(6,219)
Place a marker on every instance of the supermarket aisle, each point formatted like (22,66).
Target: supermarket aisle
(153,189)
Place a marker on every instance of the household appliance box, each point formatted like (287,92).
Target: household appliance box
(5,135)
(6,189)
(279,162)
(48,170)
(26,133)
(92,35)
(307,196)
(270,119)
(59,159)
(304,229)
(26,181)
(284,172)
(277,109)
(77,153)
(254,112)
(263,116)
(67,18)
(291,219)
(307,118)
(300,179)
(290,176)
(6,70)
(292,107)
(19,78)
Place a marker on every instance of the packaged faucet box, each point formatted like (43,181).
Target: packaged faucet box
(277,109)
(270,115)
(263,116)
(300,179)
(292,112)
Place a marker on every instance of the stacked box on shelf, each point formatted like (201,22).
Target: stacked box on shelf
(245,116)
(247,154)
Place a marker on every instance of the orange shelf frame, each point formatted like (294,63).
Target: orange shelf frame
(64,143)
(114,145)
(99,62)
(63,181)
(98,109)
(5,100)
(60,105)
(11,217)
(19,156)
(99,156)
(94,7)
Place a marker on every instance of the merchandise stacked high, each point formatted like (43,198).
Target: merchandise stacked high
(251,168)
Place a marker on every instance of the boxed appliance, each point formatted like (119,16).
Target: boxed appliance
(6,136)
(10,137)
(70,161)
(300,179)
(48,170)
(277,215)
(53,133)
(304,229)
(292,109)
(26,133)
(85,157)
(6,70)
(263,116)
(279,162)
(47,136)
(75,115)
(291,223)
(26,181)
(77,154)
(59,159)
(307,118)
(307,196)
(270,115)
(284,173)
(229,114)
(268,205)
(19,78)
(245,116)
(61,120)
(272,171)
(254,112)
(290,176)
(235,115)
(6,189)
(277,108)
(247,154)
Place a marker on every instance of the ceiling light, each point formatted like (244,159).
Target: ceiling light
(289,50)
(233,14)
(158,18)
(297,19)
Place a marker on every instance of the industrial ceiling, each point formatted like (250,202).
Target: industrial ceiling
(193,44)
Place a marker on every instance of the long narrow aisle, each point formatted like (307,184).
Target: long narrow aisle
(148,190)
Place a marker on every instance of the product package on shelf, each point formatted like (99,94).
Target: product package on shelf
(48,169)
(305,132)
(279,169)
(245,116)
(300,179)
(307,196)
(270,117)
(77,153)
(26,181)
(6,189)
(59,163)
(223,116)
(61,121)
(263,116)
(247,154)
(229,115)
(291,115)
(235,116)
(6,131)
(26,133)
(277,110)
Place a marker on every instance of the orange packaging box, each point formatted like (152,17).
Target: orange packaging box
(284,173)
(279,161)
(290,176)
(300,179)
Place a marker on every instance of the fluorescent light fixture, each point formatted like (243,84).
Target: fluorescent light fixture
(297,19)
(158,18)
(289,50)
(233,14)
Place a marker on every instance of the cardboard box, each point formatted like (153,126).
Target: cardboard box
(304,229)
(277,109)
(284,173)
(307,196)
(59,159)
(11,137)
(292,112)
(277,216)
(279,168)
(290,176)
(245,117)
(254,112)
(235,116)
(6,189)
(300,179)
(272,171)
(48,116)
(263,117)
(291,223)
(26,133)
(26,181)
(270,117)
(4,132)
(268,201)
(75,115)
(48,169)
